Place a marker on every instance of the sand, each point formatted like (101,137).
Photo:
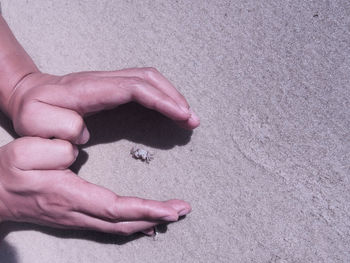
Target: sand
(267,172)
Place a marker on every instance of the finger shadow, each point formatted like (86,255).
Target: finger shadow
(82,158)
(6,123)
(137,124)
(104,238)
(8,253)
(99,237)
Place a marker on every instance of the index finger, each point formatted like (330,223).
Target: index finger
(155,78)
(91,94)
(103,203)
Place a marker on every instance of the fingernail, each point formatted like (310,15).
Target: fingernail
(171,218)
(76,152)
(184,212)
(84,137)
(184,109)
(194,116)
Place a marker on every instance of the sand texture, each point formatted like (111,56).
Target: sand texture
(267,173)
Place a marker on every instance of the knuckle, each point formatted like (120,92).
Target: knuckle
(158,102)
(113,211)
(150,72)
(135,85)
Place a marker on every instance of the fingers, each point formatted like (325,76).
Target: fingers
(182,207)
(120,228)
(92,94)
(156,79)
(57,122)
(154,99)
(128,228)
(79,204)
(94,91)
(76,220)
(149,231)
(102,203)
(33,153)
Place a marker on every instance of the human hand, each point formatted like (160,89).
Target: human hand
(38,187)
(50,106)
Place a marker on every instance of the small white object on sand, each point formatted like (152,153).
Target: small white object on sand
(141,154)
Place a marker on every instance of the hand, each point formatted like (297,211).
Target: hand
(50,106)
(38,187)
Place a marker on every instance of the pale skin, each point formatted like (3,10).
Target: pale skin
(35,182)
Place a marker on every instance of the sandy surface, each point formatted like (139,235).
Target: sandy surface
(267,173)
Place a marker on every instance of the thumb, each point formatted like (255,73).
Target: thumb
(53,121)
(83,137)
(34,153)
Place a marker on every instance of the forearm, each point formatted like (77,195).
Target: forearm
(15,64)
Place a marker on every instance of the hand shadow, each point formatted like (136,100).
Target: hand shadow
(104,238)
(134,123)
(8,253)
(137,124)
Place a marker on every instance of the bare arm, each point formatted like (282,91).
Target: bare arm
(15,63)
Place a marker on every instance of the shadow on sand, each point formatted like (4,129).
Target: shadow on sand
(7,253)
(134,123)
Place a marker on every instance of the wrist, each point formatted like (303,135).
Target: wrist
(15,64)
(16,68)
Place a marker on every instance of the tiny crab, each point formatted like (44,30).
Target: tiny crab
(141,154)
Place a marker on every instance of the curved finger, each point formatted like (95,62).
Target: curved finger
(154,99)
(33,153)
(92,94)
(155,78)
(190,124)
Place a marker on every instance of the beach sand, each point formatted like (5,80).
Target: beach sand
(267,172)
